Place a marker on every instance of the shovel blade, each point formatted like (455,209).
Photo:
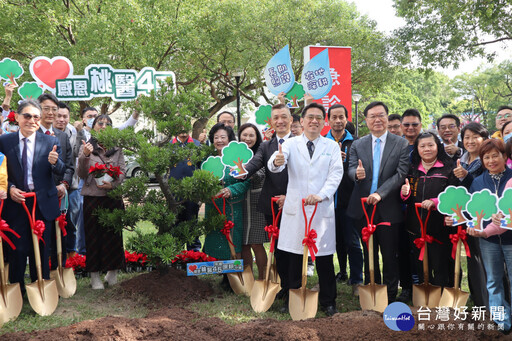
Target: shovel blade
(43,296)
(11,303)
(453,298)
(303,303)
(373,297)
(426,295)
(66,284)
(261,299)
(242,282)
(274,276)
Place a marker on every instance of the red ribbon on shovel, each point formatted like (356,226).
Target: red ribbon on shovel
(425,238)
(62,224)
(37,225)
(228,224)
(311,235)
(370,228)
(273,230)
(454,238)
(5,227)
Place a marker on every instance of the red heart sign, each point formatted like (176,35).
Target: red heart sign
(47,71)
(192,268)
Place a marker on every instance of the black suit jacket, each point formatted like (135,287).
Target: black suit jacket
(66,155)
(393,170)
(42,174)
(275,183)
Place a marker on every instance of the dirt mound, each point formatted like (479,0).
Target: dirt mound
(173,288)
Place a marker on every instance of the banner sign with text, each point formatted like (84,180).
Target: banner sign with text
(215,267)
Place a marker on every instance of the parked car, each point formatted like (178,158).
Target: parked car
(133,169)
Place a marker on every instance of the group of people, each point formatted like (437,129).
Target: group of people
(395,167)
(47,155)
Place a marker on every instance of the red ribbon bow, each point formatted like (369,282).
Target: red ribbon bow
(454,238)
(226,231)
(310,241)
(39,230)
(273,231)
(366,232)
(370,228)
(5,227)
(420,244)
(62,224)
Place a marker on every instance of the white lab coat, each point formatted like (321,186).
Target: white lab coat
(320,175)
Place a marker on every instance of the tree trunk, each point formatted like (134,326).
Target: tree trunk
(198,127)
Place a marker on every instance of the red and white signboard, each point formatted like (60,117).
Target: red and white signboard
(341,73)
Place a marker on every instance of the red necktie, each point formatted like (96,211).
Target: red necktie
(48,132)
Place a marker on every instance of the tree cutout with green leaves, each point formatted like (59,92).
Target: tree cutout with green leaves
(214,165)
(30,90)
(236,154)
(482,206)
(452,202)
(505,206)
(10,69)
(263,115)
(295,94)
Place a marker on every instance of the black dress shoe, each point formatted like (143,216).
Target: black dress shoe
(330,310)
(341,277)
(405,296)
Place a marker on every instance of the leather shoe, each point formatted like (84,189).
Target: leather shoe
(405,296)
(355,290)
(341,277)
(330,310)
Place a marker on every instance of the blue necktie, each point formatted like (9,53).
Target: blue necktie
(376,166)
(311,148)
(24,164)
(281,141)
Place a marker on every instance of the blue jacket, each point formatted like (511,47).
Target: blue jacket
(184,168)
(485,181)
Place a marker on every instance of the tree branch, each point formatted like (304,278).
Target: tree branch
(483,43)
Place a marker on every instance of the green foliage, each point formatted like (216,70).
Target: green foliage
(453,200)
(482,205)
(30,90)
(263,115)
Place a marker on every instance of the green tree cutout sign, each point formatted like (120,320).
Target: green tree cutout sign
(295,94)
(505,206)
(30,90)
(10,69)
(482,206)
(452,202)
(263,115)
(214,165)
(236,154)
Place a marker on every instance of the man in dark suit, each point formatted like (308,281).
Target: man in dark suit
(275,183)
(50,108)
(33,158)
(378,164)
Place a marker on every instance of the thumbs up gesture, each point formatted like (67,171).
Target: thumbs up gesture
(202,137)
(53,156)
(87,148)
(459,171)
(360,172)
(406,189)
(279,160)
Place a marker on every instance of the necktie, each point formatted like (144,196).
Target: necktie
(24,164)
(311,149)
(376,166)
(281,141)
(48,132)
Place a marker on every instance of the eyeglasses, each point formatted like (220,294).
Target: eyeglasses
(407,125)
(28,117)
(374,117)
(51,109)
(450,126)
(394,126)
(102,124)
(318,118)
(226,122)
(499,117)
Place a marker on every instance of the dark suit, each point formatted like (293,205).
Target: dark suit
(394,166)
(66,155)
(274,184)
(47,202)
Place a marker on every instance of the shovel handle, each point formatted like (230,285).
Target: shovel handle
(35,241)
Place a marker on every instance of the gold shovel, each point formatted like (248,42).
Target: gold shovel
(372,296)
(264,291)
(11,301)
(64,277)
(454,297)
(425,294)
(303,302)
(42,294)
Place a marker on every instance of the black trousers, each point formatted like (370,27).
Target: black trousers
(404,257)
(385,238)
(281,261)
(324,269)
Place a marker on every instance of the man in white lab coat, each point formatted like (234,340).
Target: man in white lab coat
(315,170)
